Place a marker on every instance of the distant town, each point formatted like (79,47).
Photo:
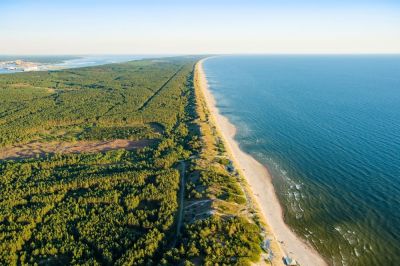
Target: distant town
(20,65)
(24,63)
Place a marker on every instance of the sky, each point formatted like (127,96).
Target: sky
(198,27)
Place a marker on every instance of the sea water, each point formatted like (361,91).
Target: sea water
(328,129)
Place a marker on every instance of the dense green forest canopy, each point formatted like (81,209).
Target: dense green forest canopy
(167,203)
(41,105)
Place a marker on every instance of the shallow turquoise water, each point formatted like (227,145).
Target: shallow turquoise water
(328,128)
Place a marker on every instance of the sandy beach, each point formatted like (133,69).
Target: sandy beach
(259,181)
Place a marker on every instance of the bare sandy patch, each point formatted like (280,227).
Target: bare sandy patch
(30,86)
(34,149)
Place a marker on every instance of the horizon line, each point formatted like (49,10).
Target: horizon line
(196,54)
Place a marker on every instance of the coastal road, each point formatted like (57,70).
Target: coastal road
(182,169)
(143,106)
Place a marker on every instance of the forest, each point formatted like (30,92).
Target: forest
(177,201)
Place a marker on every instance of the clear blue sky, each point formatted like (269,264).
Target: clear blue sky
(218,26)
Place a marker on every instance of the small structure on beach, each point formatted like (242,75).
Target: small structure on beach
(230,167)
(289,261)
(266,244)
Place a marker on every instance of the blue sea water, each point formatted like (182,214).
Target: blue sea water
(328,129)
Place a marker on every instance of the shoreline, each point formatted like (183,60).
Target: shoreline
(259,181)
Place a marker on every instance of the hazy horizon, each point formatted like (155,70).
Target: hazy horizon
(206,54)
(207,27)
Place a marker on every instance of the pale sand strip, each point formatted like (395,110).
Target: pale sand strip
(41,148)
(259,180)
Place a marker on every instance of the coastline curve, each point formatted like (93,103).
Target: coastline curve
(259,181)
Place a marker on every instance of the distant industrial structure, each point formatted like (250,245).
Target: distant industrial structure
(20,65)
